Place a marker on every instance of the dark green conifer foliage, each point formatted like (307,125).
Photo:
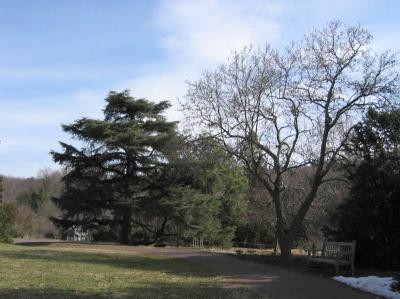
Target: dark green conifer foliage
(211,186)
(110,175)
(370,215)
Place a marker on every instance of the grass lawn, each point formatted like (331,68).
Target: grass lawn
(64,272)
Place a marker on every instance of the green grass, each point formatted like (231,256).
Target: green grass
(64,272)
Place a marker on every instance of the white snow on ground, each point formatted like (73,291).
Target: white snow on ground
(380,286)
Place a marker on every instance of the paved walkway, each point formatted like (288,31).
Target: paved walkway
(274,281)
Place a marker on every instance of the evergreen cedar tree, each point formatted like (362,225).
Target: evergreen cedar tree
(136,181)
(280,111)
(370,214)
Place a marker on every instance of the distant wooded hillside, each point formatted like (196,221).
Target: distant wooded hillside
(28,203)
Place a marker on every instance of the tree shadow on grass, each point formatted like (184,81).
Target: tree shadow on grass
(38,243)
(164,290)
(126,261)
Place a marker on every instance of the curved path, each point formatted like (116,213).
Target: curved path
(274,281)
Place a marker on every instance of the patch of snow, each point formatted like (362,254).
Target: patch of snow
(381,286)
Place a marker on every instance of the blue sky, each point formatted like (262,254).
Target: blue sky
(58,59)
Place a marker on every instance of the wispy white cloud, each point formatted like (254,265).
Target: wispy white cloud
(198,35)
(207,31)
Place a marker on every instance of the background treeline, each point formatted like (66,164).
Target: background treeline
(245,207)
(28,204)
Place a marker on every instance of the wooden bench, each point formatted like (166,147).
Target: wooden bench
(338,254)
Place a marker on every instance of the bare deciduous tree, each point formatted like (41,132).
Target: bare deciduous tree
(278,111)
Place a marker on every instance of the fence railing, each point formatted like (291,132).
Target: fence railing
(199,243)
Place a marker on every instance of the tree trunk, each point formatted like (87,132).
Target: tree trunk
(126,227)
(285,240)
(285,245)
